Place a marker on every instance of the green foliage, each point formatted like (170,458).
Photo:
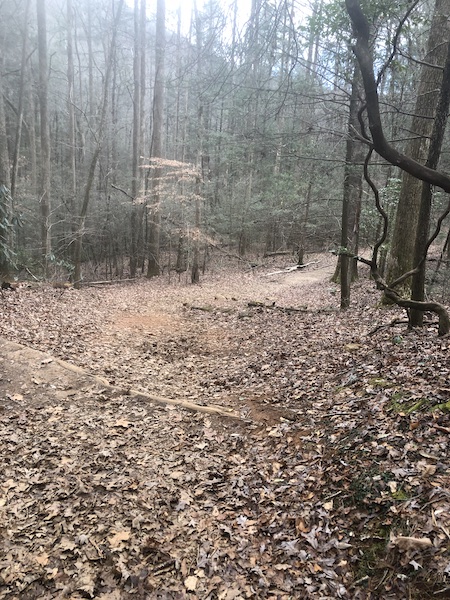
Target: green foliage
(62,263)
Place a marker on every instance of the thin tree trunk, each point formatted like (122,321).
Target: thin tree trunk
(351,192)
(71,150)
(21,101)
(153,267)
(423,226)
(5,178)
(195,273)
(6,207)
(44,180)
(136,152)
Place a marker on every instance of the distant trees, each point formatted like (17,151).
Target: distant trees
(98,141)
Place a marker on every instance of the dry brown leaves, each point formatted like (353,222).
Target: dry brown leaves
(330,486)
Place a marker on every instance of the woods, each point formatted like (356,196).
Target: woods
(258,102)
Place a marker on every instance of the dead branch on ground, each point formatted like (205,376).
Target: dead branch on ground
(293,268)
(285,309)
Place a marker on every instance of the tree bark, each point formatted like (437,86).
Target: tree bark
(5,178)
(71,150)
(6,207)
(352,190)
(21,101)
(407,218)
(137,150)
(423,226)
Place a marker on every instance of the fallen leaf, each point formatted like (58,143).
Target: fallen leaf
(122,423)
(42,559)
(190,583)
(120,536)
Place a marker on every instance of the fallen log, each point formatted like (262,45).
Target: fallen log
(279,253)
(285,309)
(290,269)
(108,282)
(208,308)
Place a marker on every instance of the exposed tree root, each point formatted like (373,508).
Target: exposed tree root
(212,410)
(26,360)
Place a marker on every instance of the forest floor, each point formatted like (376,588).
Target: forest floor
(326,475)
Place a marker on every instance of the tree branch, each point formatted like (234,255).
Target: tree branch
(381,145)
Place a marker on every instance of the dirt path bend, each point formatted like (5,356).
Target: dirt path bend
(160,338)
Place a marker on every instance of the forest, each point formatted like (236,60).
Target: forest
(224,304)
(135,142)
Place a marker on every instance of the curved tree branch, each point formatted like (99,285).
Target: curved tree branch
(381,145)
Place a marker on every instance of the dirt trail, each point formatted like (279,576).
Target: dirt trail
(161,323)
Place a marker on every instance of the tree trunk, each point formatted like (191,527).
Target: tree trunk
(6,208)
(137,150)
(195,272)
(153,267)
(379,143)
(407,218)
(423,226)
(44,180)
(4,155)
(352,191)
(96,154)
(21,101)
(71,150)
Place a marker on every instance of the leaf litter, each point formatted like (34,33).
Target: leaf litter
(333,483)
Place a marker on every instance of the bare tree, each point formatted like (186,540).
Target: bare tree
(5,178)
(138,117)
(95,156)
(5,196)
(407,219)
(21,102)
(71,149)
(44,180)
(378,142)
(153,267)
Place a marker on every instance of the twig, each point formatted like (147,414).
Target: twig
(286,309)
(386,325)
